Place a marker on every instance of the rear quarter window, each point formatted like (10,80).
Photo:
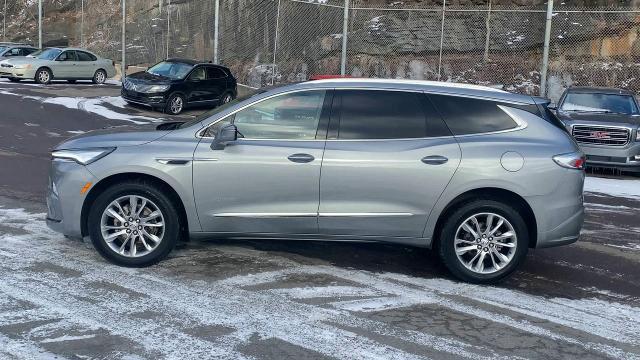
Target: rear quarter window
(466,116)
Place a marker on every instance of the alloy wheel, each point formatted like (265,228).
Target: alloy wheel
(132,226)
(485,243)
(176,105)
(227,98)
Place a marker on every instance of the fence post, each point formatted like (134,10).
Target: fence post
(40,24)
(345,31)
(275,45)
(545,53)
(216,32)
(124,43)
(488,38)
(81,23)
(4,22)
(168,25)
(444,8)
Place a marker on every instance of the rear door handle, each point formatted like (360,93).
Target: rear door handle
(301,158)
(434,160)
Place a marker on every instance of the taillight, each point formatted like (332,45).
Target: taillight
(574,160)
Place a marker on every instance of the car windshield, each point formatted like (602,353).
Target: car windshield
(46,54)
(221,108)
(2,49)
(172,70)
(599,103)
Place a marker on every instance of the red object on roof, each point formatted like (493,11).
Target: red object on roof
(324,77)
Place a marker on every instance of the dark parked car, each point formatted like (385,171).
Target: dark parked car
(604,122)
(176,84)
(11,50)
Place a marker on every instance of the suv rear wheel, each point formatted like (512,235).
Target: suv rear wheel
(483,241)
(133,224)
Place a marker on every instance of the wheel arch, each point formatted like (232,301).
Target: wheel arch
(497,194)
(104,183)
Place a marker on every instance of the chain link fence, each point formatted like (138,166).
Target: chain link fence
(267,42)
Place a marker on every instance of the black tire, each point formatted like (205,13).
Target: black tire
(99,77)
(41,78)
(14,79)
(71,81)
(225,98)
(446,247)
(174,109)
(153,193)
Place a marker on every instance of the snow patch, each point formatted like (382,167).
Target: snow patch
(613,187)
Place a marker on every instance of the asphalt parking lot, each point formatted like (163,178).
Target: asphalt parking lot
(289,300)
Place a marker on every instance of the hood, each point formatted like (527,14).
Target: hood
(20,60)
(599,118)
(118,136)
(144,77)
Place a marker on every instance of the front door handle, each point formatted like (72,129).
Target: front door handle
(301,158)
(434,160)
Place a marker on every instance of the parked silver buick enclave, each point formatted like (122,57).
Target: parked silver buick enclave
(480,175)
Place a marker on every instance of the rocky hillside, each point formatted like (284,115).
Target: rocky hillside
(593,48)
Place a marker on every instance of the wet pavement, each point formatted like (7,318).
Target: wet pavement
(267,299)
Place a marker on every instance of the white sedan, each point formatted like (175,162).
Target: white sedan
(48,64)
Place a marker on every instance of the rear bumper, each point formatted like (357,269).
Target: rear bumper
(560,214)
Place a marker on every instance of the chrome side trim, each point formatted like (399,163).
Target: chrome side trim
(265,215)
(368,214)
(205,159)
(301,214)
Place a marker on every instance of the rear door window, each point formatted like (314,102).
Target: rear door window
(215,73)
(466,116)
(83,56)
(378,114)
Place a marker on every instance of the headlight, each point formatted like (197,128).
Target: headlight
(155,88)
(82,156)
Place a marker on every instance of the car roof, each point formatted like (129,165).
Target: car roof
(448,88)
(598,90)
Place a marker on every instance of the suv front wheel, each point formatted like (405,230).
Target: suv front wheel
(133,224)
(483,241)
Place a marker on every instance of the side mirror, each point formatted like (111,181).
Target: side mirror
(224,136)
(552,106)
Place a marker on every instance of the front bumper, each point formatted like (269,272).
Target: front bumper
(64,196)
(156,100)
(15,73)
(623,158)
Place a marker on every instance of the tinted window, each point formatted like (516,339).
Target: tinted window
(83,56)
(471,116)
(374,114)
(27,51)
(215,73)
(198,74)
(13,52)
(290,116)
(599,103)
(67,56)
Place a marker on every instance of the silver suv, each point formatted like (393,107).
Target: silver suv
(478,174)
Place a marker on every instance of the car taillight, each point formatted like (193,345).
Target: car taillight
(575,160)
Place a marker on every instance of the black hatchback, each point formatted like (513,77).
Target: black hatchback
(175,84)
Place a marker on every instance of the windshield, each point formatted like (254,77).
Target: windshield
(172,70)
(221,108)
(600,103)
(46,54)
(2,49)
